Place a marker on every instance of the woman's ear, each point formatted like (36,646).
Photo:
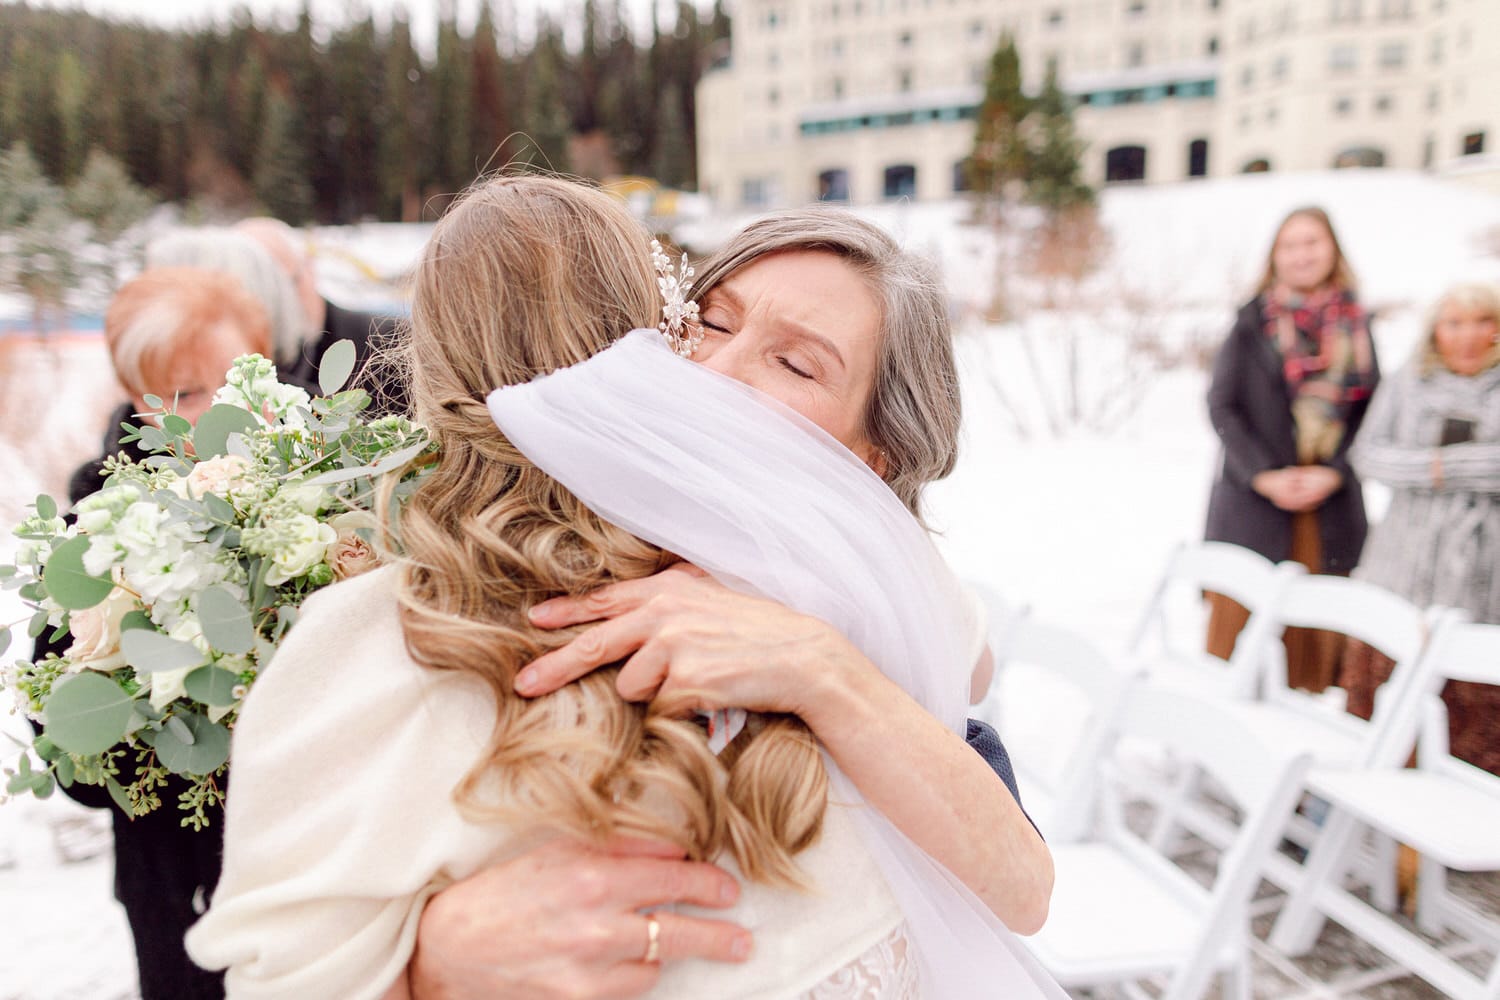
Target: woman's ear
(875,458)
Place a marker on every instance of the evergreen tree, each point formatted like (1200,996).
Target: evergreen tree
(454,166)
(672,166)
(489,120)
(545,120)
(106,198)
(281,175)
(998,160)
(399,127)
(1054,171)
(39,240)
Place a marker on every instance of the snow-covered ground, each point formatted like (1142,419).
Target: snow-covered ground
(1076,524)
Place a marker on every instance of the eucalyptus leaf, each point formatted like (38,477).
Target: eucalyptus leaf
(117,793)
(33,591)
(205,755)
(226,621)
(66,771)
(17,784)
(6,572)
(386,463)
(151,400)
(23,766)
(179,730)
(42,784)
(148,651)
(153,439)
(46,749)
(68,583)
(212,686)
(46,507)
(136,619)
(87,714)
(218,508)
(211,436)
(176,426)
(4,638)
(37,626)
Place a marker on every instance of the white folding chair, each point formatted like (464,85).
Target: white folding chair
(1319,725)
(1446,809)
(1122,912)
(1168,639)
(1055,700)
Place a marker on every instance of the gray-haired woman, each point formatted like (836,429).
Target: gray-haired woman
(1433,436)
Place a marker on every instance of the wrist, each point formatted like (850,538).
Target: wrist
(839,700)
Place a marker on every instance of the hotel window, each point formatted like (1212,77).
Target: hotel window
(755,192)
(1395,10)
(1434,99)
(1198,158)
(773,97)
(1055,17)
(976,29)
(1473,144)
(1213,45)
(901,181)
(833,185)
(1279,67)
(1271,115)
(1435,50)
(903,81)
(1384,104)
(1344,10)
(903,40)
(1343,58)
(1135,7)
(1135,54)
(1247,77)
(1393,55)
(1343,107)
(837,87)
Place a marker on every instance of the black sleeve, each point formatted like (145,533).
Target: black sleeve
(1244,453)
(986,742)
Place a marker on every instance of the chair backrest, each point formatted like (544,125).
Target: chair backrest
(1381,619)
(1055,701)
(1461,651)
(1263,780)
(1239,573)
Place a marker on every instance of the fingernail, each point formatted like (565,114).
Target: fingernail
(739,949)
(525,681)
(536,612)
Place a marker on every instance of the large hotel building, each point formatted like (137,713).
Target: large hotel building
(863,100)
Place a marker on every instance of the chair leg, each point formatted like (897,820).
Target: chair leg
(1169,809)
(1297,928)
(1237,981)
(1383,889)
(1432,891)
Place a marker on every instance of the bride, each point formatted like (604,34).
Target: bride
(386,756)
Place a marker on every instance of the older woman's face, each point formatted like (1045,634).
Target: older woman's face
(1304,254)
(194,375)
(1464,337)
(802,326)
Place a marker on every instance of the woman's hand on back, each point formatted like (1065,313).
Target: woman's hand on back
(682,631)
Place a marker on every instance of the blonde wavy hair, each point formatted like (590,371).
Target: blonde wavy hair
(522,276)
(1473,296)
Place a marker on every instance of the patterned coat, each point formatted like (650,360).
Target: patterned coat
(1435,546)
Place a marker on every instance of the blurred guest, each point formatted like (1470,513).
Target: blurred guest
(1290,387)
(172,332)
(215,248)
(1433,436)
(327,322)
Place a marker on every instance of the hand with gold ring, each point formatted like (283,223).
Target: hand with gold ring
(653,940)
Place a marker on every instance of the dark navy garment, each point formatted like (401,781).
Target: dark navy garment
(986,742)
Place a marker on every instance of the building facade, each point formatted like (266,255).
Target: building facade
(863,100)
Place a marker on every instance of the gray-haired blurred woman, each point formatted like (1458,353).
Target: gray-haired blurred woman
(228,251)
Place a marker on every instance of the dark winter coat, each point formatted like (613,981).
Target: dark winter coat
(368,332)
(1250,406)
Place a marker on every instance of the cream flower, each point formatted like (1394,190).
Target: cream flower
(96,632)
(302,543)
(219,475)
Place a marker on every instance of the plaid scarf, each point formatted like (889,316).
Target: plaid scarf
(1327,359)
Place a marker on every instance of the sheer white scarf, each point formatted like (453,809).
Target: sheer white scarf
(769,504)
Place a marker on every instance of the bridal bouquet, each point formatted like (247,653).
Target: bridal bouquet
(178,578)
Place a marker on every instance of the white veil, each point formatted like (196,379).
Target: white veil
(768,503)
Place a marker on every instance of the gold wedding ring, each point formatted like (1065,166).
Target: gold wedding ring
(653,939)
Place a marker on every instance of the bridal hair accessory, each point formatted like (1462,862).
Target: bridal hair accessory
(679,323)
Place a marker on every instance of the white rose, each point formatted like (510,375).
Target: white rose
(96,632)
(306,498)
(139,529)
(309,542)
(218,475)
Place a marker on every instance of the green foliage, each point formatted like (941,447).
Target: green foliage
(194,745)
(1054,175)
(68,583)
(281,165)
(87,713)
(999,157)
(106,198)
(336,366)
(211,436)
